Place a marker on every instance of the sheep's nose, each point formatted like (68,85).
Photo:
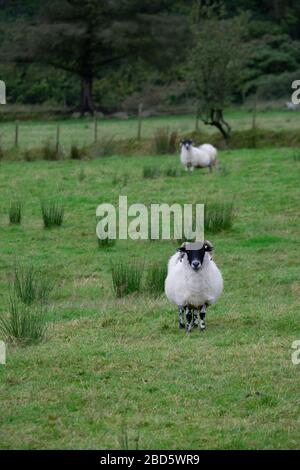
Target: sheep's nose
(195,265)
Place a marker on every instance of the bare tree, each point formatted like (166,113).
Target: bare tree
(216,62)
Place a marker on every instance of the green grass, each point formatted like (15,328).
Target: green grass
(32,134)
(110,363)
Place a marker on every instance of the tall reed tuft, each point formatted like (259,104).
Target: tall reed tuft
(155,278)
(218,216)
(164,141)
(52,213)
(30,285)
(15,212)
(150,172)
(106,242)
(23,324)
(126,278)
(50,152)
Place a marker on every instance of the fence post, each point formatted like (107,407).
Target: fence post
(95,129)
(254,113)
(17,134)
(197,119)
(254,122)
(57,137)
(140,121)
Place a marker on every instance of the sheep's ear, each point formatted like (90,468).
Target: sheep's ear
(182,248)
(208,246)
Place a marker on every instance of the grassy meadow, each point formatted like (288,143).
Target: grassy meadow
(33,134)
(116,368)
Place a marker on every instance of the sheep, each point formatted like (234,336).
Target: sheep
(193,282)
(197,157)
(211,150)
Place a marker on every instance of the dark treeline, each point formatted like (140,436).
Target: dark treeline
(110,55)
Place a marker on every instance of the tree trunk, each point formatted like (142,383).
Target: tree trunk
(216,119)
(197,119)
(87,105)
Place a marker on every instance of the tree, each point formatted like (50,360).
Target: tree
(216,62)
(91,38)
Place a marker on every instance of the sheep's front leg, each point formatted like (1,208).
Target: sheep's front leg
(189,319)
(202,318)
(181,317)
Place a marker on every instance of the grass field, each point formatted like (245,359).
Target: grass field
(33,134)
(115,367)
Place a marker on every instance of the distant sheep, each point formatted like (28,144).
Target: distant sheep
(193,282)
(197,157)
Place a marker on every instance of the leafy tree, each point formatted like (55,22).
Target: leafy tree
(91,38)
(216,62)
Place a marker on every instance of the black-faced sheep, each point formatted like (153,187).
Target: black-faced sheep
(193,282)
(197,157)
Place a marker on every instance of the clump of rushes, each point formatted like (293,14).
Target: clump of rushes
(1,150)
(81,175)
(106,242)
(52,213)
(155,278)
(172,172)
(218,216)
(150,172)
(164,141)
(15,212)
(77,153)
(30,285)
(23,324)
(106,147)
(296,156)
(120,180)
(126,278)
(49,151)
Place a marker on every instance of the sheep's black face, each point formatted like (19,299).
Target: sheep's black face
(187,143)
(195,253)
(195,258)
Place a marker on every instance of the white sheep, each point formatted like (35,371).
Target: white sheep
(193,282)
(211,150)
(197,157)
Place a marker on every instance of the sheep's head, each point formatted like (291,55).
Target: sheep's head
(187,143)
(195,253)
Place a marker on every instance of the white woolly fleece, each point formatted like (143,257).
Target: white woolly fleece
(184,286)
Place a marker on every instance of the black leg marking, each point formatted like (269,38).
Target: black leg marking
(196,318)
(181,317)
(189,319)
(202,317)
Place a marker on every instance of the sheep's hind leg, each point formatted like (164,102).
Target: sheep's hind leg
(181,317)
(189,319)
(202,318)
(196,318)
